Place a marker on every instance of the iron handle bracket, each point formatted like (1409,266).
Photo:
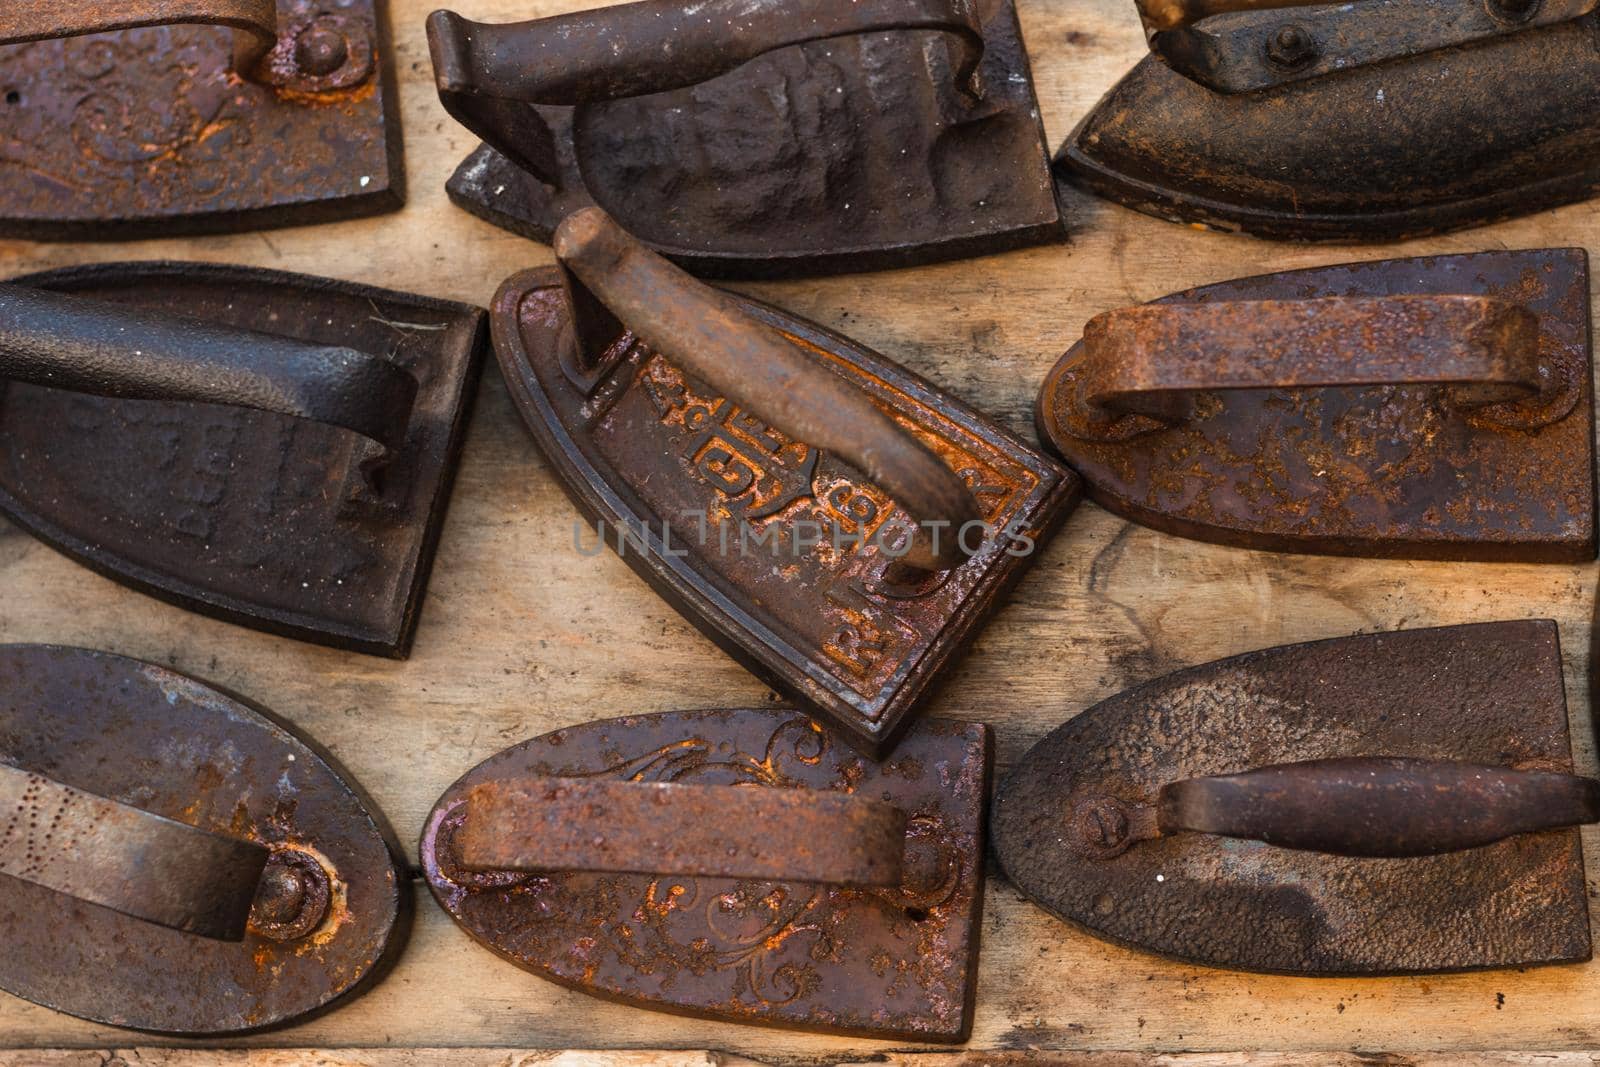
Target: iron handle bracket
(61,341)
(1143,367)
(127,859)
(664,828)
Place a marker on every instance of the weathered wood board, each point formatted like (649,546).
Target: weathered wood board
(522,634)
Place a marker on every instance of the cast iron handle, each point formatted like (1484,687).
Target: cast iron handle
(614,283)
(1379,807)
(255,22)
(489,76)
(88,346)
(705,831)
(127,859)
(1151,361)
(1161,15)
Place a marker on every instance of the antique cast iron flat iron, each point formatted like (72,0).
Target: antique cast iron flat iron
(1437,408)
(759,137)
(831,520)
(145,118)
(280,455)
(736,865)
(1388,804)
(173,860)
(1369,121)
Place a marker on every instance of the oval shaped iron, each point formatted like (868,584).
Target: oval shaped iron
(1074,821)
(1383,152)
(147,118)
(777,550)
(887,962)
(867,150)
(278,523)
(1316,420)
(330,911)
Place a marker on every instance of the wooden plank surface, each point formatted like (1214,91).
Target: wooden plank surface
(521,634)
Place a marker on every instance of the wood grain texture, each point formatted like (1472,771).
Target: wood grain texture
(521,634)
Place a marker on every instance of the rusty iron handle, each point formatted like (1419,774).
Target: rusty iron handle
(1152,360)
(616,282)
(1379,807)
(663,828)
(254,22)
(488,76)
(126,859)
(88,346)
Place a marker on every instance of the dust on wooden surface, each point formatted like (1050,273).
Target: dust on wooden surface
(521,634)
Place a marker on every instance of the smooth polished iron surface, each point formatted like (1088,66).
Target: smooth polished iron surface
(620,858)
(1397,803)
(227,883)
(145,118)
(1372,121)
(831,520)
(1434,408)
(746,138)
(272,449)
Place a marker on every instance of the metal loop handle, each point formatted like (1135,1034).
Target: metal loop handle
(1379,807)
(255,22)
(1159,15)
(709,831)
(708,333)
(127,859)
(1150,362)
(88,346)
(489,76)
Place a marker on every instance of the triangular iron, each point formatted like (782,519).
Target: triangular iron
(759,140)
(1353,122)
(719,444)
(1395,803)
(280,455)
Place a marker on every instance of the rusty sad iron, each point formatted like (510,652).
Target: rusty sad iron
(280,455)
(766,138)
(1369,121)
(719,443)
(173,860)
(1436,408)
(731,864)
(145,118)
(1397,803)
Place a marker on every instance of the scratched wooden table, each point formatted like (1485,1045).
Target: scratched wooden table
(521,634)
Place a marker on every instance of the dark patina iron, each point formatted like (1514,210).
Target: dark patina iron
(755,871)
(145,118)
(280,455)
(1376,120)
(230,882)
(1385,804)
(1437,408)
(764,475)
(747,138)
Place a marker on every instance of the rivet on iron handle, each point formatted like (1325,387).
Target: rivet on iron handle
(1373,807)
(150,867)
(704,330)
(1142,367)
(318,58)
(66,342)
(488,76)
(710,831)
